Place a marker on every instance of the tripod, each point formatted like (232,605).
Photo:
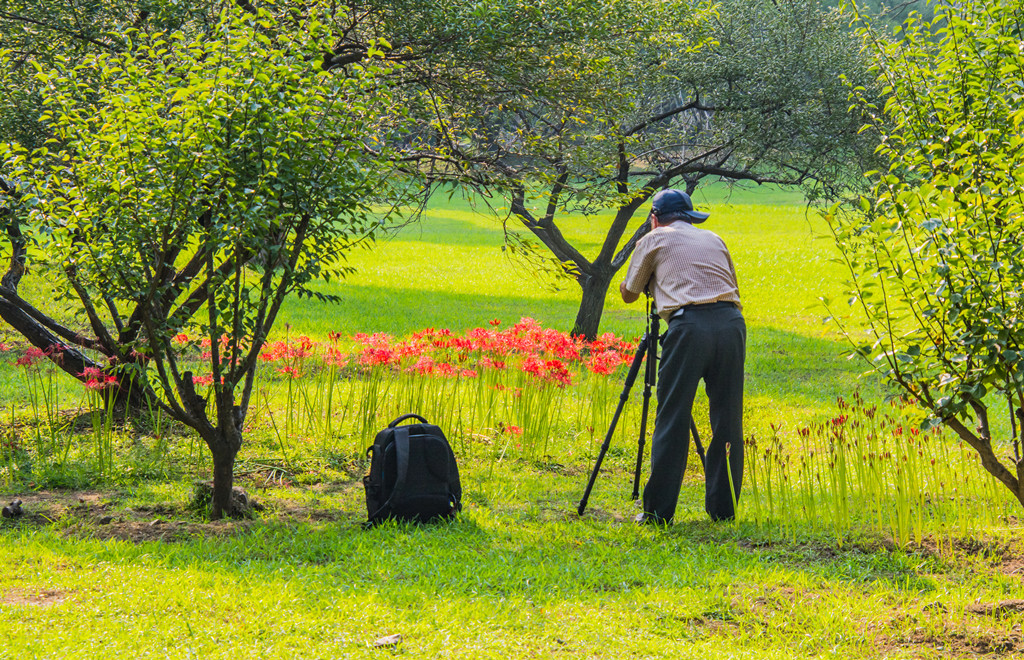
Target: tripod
(648,348)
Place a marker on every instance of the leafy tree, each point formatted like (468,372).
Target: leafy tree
(652,95)
(40,33)
(566,106)
(195,177)
(935,254)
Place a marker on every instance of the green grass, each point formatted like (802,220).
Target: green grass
(519,575)
(516,576)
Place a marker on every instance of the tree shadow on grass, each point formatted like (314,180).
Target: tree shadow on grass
(803,370)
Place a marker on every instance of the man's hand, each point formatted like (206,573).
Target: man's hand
(627,295)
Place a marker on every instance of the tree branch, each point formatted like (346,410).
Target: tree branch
(545,228)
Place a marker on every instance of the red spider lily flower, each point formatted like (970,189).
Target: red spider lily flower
(513,429)
(604,342)
(99,382)
(92,373)
(525,325)
(488,363)
(495,322)
(480,334)
(410,349)
(468,373)
(282,350)
(445,370)
(291,372)
(424,365)
(558,372)
(378,356)
(202,381)
(207,355)
(274,351)
(533,365)
(604,363)
(335,358)
(560,344)
(334,337)
(26,361)
(376,340)
(181,338)
(4,347)
(205,343)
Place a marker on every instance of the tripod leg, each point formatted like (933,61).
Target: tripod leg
(650,376)
(634,369)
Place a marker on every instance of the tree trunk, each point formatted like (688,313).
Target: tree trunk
(223,479)
(989,460)
(588,318)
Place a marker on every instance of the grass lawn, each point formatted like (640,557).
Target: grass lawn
(121,567)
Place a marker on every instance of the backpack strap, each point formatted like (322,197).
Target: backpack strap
(398,420)
(402,459)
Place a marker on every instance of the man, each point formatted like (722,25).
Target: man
(693,280)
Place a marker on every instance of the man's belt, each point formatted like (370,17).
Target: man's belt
(721,304)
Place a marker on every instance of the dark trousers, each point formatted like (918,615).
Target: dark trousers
(706,342)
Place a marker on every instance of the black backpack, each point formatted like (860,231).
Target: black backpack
(413,475)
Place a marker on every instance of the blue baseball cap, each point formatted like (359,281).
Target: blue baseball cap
(668,202)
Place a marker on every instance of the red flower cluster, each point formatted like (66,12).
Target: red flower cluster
(96,380)
(284,350)
(545,354)
(31,356)
(552,370)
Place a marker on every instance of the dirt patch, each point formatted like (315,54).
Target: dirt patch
(159,530)
(97,514)
(1013,566)
(304,511)
(103,515)
(1001,608)
(958,644)
(947,635)
(39,598)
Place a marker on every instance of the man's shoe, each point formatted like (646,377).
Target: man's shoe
(650,519)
